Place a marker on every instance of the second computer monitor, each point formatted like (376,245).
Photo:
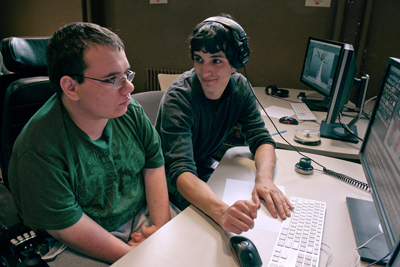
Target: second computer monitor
(330,69)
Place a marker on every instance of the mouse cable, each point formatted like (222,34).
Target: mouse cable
(340,176)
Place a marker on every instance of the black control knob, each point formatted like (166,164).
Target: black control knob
(304,166)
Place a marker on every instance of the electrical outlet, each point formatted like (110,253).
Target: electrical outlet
(158,1)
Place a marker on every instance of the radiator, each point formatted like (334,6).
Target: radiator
(152,83)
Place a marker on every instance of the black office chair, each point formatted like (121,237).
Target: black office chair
(23,58)
(22,93)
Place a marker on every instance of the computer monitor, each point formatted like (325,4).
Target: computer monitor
(330,68)
(320,70)
(380,154)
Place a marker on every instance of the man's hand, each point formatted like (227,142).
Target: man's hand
(273,197)
(239,217)
(138,238)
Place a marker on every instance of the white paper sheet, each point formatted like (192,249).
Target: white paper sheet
(277,112)
(241,190)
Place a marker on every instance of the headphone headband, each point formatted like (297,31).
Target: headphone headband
(229,23)
(243,54)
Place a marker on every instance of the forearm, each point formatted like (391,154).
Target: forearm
(89,238)
(200,195)
(157,196)
(265,160)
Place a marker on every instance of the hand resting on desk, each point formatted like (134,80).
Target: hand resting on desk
(138,238)
(276,201)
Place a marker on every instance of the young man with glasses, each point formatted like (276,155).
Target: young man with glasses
(88,167)
(196,115)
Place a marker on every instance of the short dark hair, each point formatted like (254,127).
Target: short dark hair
(66,48)
(213,37)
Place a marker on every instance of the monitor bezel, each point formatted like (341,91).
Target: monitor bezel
(390,238)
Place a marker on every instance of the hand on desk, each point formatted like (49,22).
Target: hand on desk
(239,217)
(138,238)
(273,197)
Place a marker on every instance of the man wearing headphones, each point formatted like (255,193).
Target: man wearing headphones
(196,115)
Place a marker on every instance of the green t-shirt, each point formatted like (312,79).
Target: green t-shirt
(57,172)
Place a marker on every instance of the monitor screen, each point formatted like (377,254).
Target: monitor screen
(320,64)
(380,153)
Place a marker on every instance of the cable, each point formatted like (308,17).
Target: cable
(363,245)
(330,254)
(375,262)
(348,179)
(372,98)
(346,128)
(340,176)
(58,252)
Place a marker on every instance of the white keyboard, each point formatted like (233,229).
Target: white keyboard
(299,241)
(303,113)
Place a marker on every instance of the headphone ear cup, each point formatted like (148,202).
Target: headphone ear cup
(271,90)
(243,54)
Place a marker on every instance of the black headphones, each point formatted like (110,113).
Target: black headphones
(243,54)
(274,90)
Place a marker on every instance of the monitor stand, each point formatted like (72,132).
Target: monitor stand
(366,224)
(337,132)
(317,105)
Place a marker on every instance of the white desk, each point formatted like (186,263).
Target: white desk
(193,239)
(328,147)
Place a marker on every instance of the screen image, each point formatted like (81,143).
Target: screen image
(321,68)
(320,65)
(380,154)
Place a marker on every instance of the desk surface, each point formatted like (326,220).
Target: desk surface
(328,147)
(193,239)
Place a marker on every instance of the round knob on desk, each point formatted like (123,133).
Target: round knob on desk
(304,166)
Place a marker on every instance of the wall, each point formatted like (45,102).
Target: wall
(383,41)
(156,35)
(36,17)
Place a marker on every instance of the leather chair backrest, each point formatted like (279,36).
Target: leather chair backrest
(23,58)
(24,54)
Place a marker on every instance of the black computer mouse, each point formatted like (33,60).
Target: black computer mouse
(245,252)
(288,120)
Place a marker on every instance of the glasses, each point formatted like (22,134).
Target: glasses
(116,82)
